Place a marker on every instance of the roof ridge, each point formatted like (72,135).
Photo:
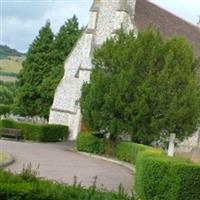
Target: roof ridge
(171,13)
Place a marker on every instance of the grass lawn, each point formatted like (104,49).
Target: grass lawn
(11,64)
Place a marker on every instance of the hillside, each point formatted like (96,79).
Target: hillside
(10,63)
(6,51)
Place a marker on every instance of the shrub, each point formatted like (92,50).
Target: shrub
(30,131)
(15,187)
(53,133)
(35,132)
(128,151)
(7,124)
(90,143)
(4,109)
(161,177)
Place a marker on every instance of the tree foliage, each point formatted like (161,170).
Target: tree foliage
(144,86)
(7,92)
(36,68)
(43,68)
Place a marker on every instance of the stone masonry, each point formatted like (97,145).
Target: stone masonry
(106,16)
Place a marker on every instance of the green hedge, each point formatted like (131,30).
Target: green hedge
(4,109)
(158,177)
(35,132)
(161,177)
(20,187)
(90,143)
(128,151)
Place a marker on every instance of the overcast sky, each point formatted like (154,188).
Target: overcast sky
(22,19)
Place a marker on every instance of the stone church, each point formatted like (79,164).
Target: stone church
(107,16)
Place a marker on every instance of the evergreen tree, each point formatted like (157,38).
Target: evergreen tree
(144,86)
(63,44)
(44,68)
(36,68)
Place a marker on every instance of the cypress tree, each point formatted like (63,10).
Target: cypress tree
(44,67)
(35,70)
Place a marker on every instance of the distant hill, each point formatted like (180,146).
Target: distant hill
(10,63)
(6,51)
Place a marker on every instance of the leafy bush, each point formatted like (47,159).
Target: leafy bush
(8,124)
(90,143)
(4,109)
(7,92)
(160,177)
(6,96)
(35,132)
(30,131)
(128,151)
(16,187)
(53,132)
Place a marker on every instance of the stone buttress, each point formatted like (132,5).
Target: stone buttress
(106,16)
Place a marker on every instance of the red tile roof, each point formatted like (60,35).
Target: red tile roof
(147,13)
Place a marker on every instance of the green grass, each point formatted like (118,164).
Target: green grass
(12,64)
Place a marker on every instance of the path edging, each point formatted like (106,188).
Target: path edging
(124,164)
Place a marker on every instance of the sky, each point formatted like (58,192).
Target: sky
(20,20)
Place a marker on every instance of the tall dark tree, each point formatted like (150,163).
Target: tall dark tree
(44,67)
(144,86)
(64,41)
(35,70)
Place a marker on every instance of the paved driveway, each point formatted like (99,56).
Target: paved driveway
(59,164)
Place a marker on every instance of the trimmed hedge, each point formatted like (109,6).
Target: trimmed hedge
(128,151)
(125,151)
(19,187)
(35,132)
(4,109)
(161,177)
(90,143)
(158,176)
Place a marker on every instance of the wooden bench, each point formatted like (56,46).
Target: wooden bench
(11,132)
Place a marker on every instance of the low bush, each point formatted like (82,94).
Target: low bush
(90,143)
(4,109)
(53,132)
(161,177)
(35,132)
(15,187)
(30,131)
(128,151)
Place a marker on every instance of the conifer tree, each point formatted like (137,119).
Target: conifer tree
(62,46)
(35,70)
(43,68)
(145,86)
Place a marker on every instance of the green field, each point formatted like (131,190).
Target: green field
(11,64)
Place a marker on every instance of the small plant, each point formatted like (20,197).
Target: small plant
(30,174)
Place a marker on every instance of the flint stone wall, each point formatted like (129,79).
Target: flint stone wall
(105,18)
